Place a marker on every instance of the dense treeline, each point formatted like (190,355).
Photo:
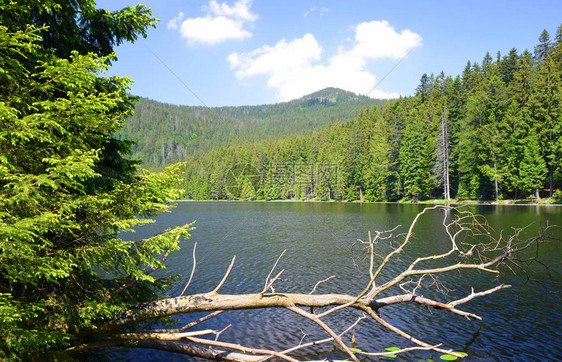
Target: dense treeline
(493,132)
(165,133)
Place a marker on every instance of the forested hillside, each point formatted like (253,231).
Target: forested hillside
(492,132)
(166,133)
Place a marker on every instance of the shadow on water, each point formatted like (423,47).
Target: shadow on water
(521,323)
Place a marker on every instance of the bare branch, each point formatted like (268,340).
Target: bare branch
(196,351)
(384,323)
(316,343)
(225,275)
(372,294)
(95,345)
(372,253)
(192,270)
(396,299)
(324,326)
(189,325)
(407,273)
(270,284)
(469,246)
(267,284)
(218,334)
(255,351)
(320,282)
(476,295)
(162,336)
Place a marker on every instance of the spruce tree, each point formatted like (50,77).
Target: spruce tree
(532,170)
(545,104)
(542,49)
(67,188)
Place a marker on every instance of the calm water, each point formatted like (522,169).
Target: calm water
(521,323)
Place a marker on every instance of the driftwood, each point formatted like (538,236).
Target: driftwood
(478,252)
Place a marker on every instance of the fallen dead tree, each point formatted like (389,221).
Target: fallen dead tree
(471,246)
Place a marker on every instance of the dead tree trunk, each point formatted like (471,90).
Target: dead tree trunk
(205,343)
(445,136)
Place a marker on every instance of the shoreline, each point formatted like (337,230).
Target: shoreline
(427,202)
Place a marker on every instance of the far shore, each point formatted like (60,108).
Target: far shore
(542,202)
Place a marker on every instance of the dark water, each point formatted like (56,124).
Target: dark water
(521,323)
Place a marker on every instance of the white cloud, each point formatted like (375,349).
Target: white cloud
(322,10)
(173,24)
(295,68)
(212,30)
(222,23)
(240,10)
(378,39)
(283,57)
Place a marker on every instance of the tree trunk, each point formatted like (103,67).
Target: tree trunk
(407,282)
(496,180)
(445,131)
(550,171)
(293,175)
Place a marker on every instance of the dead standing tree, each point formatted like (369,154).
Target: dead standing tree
(470,247)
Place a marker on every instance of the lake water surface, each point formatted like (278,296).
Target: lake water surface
(521,323)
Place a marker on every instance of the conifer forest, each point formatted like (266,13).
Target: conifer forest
(493,132)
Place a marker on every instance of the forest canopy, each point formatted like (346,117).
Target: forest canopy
(493,132)
(166,133)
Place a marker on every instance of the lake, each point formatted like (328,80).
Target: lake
(520,323)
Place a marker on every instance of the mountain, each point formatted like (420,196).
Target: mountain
(166,133)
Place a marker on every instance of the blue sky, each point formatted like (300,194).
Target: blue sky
(244,52)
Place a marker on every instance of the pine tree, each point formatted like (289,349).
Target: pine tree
(542,49)
(521,86)
(532,170)
(508,66)
(67,189)
(492,132)
(469,144)
(375,169)
(545,103)
(516,132)
(441,166)
(394,115)
(416,155)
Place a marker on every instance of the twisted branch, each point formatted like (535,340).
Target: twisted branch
(482,252)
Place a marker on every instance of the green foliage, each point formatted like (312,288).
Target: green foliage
(416,153)
(166,133)
(66,189)
(532,169)
(390,355)
(450,357)
(491,132)
(77,25)
(462,193)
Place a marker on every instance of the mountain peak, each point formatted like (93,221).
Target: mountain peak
(167,133)
(331,96)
